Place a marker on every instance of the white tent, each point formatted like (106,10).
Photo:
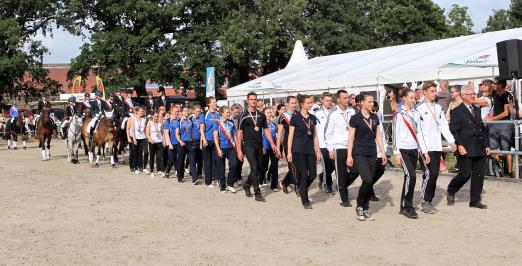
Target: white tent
(372,69)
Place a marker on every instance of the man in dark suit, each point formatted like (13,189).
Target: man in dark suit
(150,105)
(162,100)
(471,137)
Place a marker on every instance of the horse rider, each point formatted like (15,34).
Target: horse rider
(86,104)
(162,100)
(70,111)
(99,109)
(13,111)
(150,104)
(43,103)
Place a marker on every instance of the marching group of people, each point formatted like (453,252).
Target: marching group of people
(164,139)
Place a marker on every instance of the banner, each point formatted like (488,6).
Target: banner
(76,84)
(99,85)
(210,84)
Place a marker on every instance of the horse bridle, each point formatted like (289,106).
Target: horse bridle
(78,127)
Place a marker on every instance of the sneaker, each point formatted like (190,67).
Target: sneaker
(359,212)
(367,215)
(223,191)
(428,208)
(307,206)
(212,185)
(231,189)
(152,175)
(410,213)
(275,190)
(345,204)
(137,172)
(450,199)
(197,182)
(263,185)
(146,171)
(247,191)
(260,198)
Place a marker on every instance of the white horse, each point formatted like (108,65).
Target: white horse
(74,137)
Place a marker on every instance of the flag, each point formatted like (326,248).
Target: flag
(210,84)
(76,84)
(99,85)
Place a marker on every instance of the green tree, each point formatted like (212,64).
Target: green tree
(459,22)
(129,41)
(504,19)
(20,21)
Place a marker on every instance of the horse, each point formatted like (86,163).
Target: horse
(74,136)
(104,134)
(45,133)
(15,129)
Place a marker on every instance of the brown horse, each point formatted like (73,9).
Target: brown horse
(16,129)
(104,134)
(45,133)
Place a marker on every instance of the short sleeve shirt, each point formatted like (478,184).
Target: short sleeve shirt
(195,128)
(231,132)
(364,138)
(171,125)
(248,123)
(303,142)
(499,102)
(185,130)
(209,119)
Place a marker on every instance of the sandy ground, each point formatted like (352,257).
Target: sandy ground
(58,213)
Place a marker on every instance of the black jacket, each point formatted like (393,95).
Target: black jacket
(70,111)
(149,108)
(41,105)
(469,131)
(162,102)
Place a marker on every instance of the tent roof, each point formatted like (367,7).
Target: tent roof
(395,64)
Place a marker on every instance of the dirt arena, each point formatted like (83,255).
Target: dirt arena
(58,213)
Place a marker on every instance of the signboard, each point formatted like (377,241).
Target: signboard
(79,96)
(99,85)
(210,84)
(77,84)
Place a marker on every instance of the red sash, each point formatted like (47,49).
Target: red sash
(287,119)
(228,137)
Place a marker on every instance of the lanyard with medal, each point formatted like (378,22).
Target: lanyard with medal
(187,125)
(369,123)
(346,122)
(308,125)
(256,128)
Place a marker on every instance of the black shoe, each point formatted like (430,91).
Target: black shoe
(181,181)
(374,198)
(450,199)
(328,190)
(247,191)
(258,197)
(410,213)
(307,206)
(345,204)
(478,205)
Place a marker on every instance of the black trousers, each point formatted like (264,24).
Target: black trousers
(254,156)
(133,164)
(429,178)
(165,158)
(139,154)
(306,165)
(328,168)
(345,175)
(272,171)
(173,154)
(198,157)
(379,172)
(186,151)
(290,176)
(239,170)
(470,168)
(156,154)
(365,165)
(230,155)
(209,163)
(409,164)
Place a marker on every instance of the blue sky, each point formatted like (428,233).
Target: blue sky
(63,46)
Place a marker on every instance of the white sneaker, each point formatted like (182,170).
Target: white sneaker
(146,171)
(211,186)
(137,172)
(223,191)
(263,185)
(275,190)
(151,175)
(231,189)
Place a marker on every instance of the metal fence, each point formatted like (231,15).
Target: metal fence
(517,153)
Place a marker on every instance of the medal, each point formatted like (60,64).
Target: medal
(309,133)
(308,125)
(256,128)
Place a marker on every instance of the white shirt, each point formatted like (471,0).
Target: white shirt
(322,117)
(402,137)
(434,124)
(486,110)
(336,133)
(139,128)
(155,131)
